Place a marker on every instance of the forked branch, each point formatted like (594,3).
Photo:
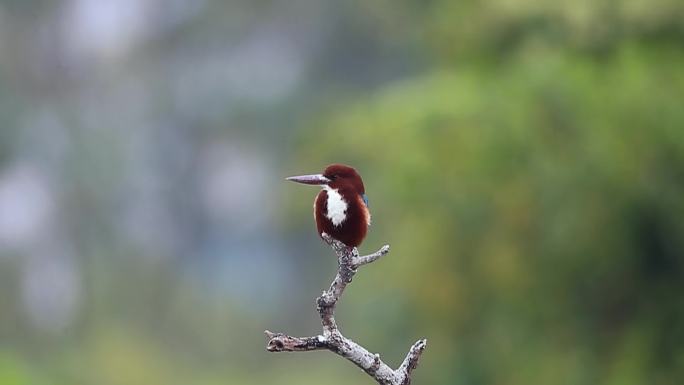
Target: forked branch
(332,339)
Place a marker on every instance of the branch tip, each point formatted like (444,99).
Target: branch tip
(411,360)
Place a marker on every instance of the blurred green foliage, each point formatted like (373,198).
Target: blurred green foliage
(537,208)
(525,160)
(533,190)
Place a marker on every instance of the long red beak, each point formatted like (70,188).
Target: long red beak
(309,179)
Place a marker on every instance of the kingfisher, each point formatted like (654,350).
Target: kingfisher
(341,207)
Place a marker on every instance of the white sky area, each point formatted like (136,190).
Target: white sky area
(106,28)
(26,205)
(126,157)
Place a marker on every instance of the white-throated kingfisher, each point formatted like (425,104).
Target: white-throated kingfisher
(341,208)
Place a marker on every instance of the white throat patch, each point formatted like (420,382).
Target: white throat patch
(337,207)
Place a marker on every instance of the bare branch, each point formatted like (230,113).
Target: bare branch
(366,259)
(411,360)
(348,262)
(279,342)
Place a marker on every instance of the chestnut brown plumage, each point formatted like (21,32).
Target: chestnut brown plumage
(341,207)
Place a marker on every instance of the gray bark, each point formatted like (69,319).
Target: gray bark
(332,339)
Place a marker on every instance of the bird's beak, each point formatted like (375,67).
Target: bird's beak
(309,179)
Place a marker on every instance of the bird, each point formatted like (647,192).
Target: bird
(341,207)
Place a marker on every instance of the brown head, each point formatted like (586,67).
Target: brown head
(337,176)
(344,177)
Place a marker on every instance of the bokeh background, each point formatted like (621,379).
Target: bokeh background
(525,160)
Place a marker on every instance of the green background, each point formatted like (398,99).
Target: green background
(524,159)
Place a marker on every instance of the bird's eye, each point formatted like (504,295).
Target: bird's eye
(332,177)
